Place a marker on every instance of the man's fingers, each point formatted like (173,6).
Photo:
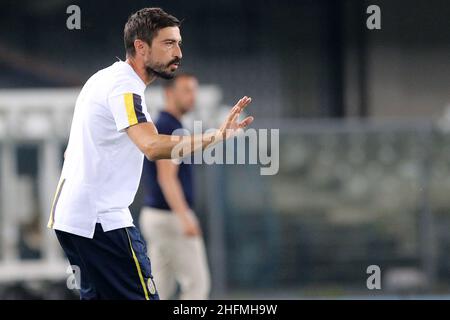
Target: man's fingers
(243,102)
(245,122)
(247,101)
(238,107)
(233,114)
(236,111)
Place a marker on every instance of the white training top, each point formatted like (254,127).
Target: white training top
(102,167)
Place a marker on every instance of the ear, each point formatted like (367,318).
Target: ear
(139,46)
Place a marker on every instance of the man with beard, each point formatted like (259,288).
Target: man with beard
(110,134)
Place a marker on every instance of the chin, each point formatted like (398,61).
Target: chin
(166,75)
(170,73)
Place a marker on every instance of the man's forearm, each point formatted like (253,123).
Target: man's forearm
(172,147)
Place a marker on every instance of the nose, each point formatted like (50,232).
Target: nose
(177,52)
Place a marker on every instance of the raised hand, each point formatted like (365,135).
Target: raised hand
(231,126)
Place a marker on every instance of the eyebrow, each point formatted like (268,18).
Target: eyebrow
(171,40)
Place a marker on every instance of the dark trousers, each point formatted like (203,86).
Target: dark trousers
(112,265)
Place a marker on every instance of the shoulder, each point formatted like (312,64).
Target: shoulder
(124,81)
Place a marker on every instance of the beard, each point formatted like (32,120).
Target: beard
(162,71)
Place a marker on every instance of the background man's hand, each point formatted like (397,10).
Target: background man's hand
(189,224)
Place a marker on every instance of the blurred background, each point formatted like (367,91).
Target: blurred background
(364,120)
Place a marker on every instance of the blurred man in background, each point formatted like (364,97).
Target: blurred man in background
(167,221)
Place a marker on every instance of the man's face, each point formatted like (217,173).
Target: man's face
(183,93)
(164,55)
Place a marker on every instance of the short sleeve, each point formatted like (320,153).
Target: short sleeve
(127,110)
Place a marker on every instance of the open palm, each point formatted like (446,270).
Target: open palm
(231,124)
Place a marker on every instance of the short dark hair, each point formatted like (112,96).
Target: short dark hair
(144,25)
(169,83)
